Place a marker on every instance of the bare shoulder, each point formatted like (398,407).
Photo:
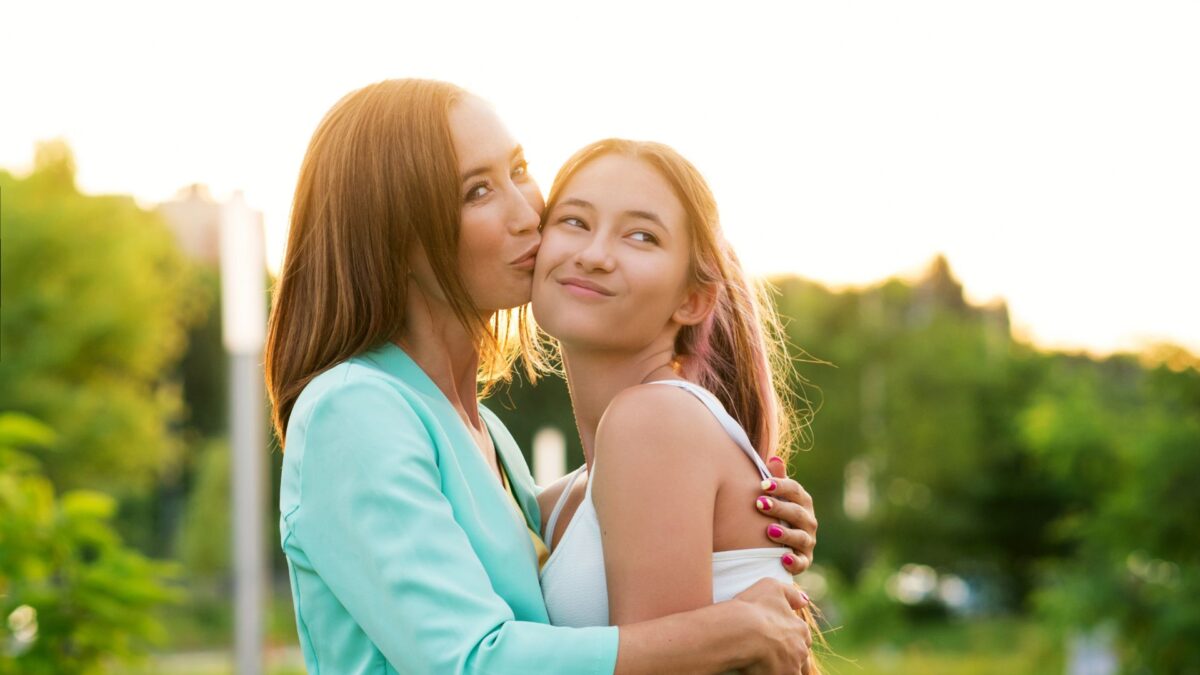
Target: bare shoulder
(669,420)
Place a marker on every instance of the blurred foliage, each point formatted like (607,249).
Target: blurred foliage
(1124,442)
(1048,482)
(922,401)
(72,596)
(203,370)
(202,548)
(96,301)
(1047,485)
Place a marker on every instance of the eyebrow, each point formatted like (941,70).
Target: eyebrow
(581,203)
(516,152)
(644,215)
(647,215)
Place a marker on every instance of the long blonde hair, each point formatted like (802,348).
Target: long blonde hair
(380,178)
(739,351)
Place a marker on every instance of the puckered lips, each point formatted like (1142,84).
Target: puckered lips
(526,260)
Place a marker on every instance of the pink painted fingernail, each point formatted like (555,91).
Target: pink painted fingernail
(763,503)
(788,560)
(776,458)
(805,596)
(774,531)
(769,485)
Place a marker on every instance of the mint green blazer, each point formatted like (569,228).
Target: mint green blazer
(405,553)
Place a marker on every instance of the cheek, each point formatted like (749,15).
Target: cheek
(662,287)
(479,239)
(552,251)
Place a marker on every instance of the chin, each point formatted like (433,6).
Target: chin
(580,332)
(498,299)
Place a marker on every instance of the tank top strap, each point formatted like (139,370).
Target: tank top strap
(548,535)
(730,425)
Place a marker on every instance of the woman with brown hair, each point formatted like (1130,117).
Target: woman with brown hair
(408,515)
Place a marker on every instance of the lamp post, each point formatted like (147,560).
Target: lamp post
(243,328)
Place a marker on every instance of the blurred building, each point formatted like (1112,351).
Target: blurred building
(194,216)
(939,290)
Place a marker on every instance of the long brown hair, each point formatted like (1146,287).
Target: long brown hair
(378,182)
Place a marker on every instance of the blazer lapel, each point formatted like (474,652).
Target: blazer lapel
(517,470)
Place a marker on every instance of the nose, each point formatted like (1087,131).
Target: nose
(525,211)
(596,255)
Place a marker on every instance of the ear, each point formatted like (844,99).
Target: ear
(698,303)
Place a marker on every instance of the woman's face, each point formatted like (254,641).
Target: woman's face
(501,209)
(613,270)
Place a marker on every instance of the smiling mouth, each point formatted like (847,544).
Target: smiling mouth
(585,288)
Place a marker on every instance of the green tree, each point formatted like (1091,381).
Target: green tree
(919,410)
(1124,442)
(96,299)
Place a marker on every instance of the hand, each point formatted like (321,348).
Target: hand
(786,500)
(786,637)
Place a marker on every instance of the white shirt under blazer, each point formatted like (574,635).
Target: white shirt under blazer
(573,579)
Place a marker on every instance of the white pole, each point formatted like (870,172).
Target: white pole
(243,325)
(549,455)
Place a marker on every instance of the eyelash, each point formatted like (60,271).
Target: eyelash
(567,220)
(472,197)
(520,172)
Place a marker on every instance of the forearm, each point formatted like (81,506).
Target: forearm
(711,639)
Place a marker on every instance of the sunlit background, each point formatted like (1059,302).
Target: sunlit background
(983,220)
(1049,149)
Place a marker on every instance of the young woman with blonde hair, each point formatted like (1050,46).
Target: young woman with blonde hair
(408,515)
(679,381)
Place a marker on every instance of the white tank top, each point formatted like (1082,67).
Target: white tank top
(573,580)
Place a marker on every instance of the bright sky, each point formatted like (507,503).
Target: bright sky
(1050,149)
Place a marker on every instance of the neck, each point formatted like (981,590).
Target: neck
(443,347)
(595,377)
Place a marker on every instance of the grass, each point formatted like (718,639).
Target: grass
(975,647)
(200,646)
(277,662)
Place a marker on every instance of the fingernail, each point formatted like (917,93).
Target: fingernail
(805,596)
(769,485)
(763,504)
(788,560)
(776,458)
(774,531)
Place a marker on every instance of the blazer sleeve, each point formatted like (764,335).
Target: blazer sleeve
(376,527)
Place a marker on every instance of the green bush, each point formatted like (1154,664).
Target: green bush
(72,596)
